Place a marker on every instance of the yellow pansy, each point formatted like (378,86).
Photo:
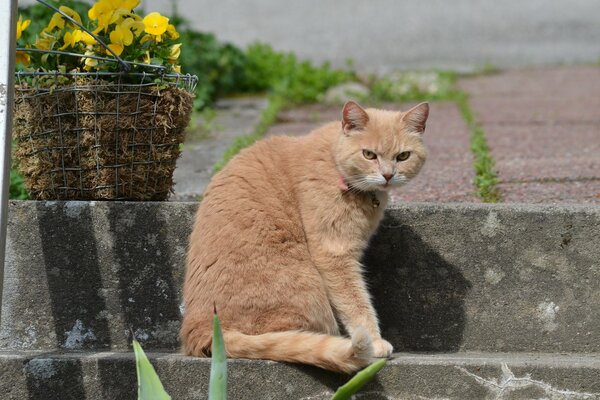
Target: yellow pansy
(177,68)
(145,38)
(128,4)
(71,39)
(156,24)
(23,58)
(119,38)
(101,12)
(135,25)
(175,53)
(122,13)
(58,21)
(87,39)
(21,26)
(108,12)
(44,41)
(89,63)
(172,32)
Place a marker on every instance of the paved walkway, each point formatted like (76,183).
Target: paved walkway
(542,125)
(543,128)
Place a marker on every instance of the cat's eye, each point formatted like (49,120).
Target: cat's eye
(369,155)
(403,156)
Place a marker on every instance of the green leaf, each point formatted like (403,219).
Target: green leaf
(358,381)
(149,385)
(217,387)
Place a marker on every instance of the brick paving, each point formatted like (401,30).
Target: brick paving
(543,128)
(447,175)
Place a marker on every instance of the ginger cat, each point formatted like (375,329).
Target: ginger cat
(279,236)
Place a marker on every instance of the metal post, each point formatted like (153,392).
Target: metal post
(8,23)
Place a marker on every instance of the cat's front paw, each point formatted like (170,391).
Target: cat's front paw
(382,348)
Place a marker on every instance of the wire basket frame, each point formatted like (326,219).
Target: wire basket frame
(94,139)
(100,135)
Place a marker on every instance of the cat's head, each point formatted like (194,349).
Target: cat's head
(380,149)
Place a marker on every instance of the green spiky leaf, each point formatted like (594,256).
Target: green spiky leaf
(217,387)
(358,381)
(149,385)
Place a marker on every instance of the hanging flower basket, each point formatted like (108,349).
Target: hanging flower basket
(100,127)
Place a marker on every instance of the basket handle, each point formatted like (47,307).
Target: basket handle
(124,66)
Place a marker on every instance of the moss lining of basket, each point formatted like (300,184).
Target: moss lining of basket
(99,140)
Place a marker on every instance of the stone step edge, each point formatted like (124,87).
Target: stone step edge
(455,376)
(589,360)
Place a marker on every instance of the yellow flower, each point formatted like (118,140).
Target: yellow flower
(135,25)
(156,24)
(108,12)
(87,39)
(172,32)
(23,58)
(44,41)
(128,4)
(58,21)
(21,26)
(145,38)
(102,11)
(119,38)
(89,63)
(175,53)
(177,68)
(71,39)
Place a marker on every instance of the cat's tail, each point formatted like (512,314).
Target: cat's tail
(334,353)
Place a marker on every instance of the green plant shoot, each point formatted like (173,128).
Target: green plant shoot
(217,387)
(358,381)
(149,385)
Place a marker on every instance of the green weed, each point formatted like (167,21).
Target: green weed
(486,179)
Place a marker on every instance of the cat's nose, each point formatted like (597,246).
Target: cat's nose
(388,176)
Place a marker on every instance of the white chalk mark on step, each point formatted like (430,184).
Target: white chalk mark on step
(510,383)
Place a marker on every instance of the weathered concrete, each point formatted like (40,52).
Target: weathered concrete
(109,375)
(444,277)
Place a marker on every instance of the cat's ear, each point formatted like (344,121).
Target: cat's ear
(354,117)
(415,118)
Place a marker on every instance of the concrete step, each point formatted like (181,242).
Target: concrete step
(445,278)
(110,375)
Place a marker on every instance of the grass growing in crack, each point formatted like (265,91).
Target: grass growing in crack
(485,175)
(267,118)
